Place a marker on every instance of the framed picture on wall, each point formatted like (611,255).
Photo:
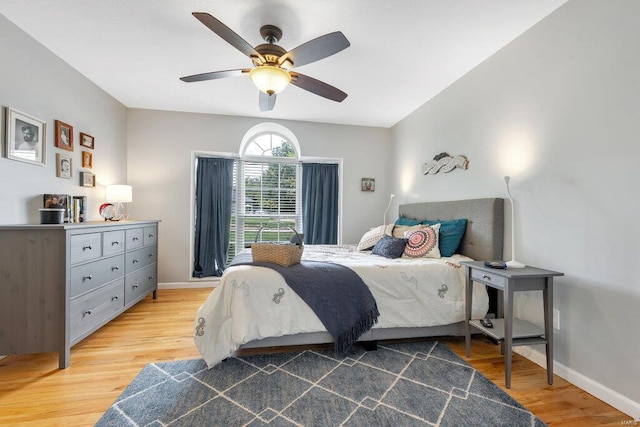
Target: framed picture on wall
(86,140)
(64,136)
(87,179)
(25,138)
(87,159)
(368,184)
(63,166)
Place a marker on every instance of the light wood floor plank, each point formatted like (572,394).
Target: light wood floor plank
(34,392)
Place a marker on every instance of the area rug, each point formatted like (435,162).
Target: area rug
(408,384)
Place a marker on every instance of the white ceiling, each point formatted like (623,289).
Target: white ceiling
(402,53)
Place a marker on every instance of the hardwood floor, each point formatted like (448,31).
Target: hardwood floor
(33,391)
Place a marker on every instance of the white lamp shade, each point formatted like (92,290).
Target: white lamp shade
(119,193)
(270,79)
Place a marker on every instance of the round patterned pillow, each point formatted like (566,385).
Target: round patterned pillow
(420,242)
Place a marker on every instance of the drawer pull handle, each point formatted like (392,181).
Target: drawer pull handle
(134,261)
(150,255)
(135,238)
(87,313)
(484,276)
(151,236)
(150,277)
(115,297)
(136,286)
(115,243)
(89,277)
(84,248)
(115,267)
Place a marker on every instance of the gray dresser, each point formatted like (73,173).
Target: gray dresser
(61,282)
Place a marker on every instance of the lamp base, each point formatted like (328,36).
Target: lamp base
(515,264)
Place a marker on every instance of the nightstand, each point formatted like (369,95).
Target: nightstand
(509,331)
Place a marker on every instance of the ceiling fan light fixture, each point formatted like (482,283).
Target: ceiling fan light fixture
(270,79)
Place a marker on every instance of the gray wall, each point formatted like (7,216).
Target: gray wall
(36,82)
(558,110)
(159,169)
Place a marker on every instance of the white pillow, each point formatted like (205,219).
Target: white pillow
(372,236)
(400,231)
(423,243)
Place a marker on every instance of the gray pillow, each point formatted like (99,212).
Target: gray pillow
(389,247)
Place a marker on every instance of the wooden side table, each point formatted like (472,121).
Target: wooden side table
(509,331)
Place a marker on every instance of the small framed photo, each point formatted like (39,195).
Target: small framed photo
(25,138)
(86,140)
(87,179)
(87,159)
(64,136)
(368,184)
(63,166)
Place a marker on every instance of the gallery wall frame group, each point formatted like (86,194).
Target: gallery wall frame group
(25,140)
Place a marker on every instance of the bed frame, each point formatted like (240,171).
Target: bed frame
(483,240)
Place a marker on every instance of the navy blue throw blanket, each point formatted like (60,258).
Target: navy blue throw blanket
(336,294)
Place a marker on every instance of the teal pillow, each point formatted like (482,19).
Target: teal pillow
(407,221)
(451,233)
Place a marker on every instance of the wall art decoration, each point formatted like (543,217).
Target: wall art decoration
(25,138)
(368,184)
(86,140)
(444,162)
(87,159)
(63,166)
(64,136)
(87,179)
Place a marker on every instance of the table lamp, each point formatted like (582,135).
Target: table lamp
(119,194)
(513,263)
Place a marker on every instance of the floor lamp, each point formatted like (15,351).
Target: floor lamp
(513,263)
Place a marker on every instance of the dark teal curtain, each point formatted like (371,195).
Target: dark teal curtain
(214,188)
(320,203)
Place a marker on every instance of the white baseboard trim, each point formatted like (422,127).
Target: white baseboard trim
(189,285)
(611,397)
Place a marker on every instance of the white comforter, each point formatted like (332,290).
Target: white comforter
(252,303)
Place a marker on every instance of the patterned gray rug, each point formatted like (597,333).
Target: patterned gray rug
(409,384)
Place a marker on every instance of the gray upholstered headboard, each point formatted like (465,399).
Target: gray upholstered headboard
(483,239)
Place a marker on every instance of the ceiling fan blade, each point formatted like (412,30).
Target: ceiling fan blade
(316,49)
(316,86)
(267,102)
(227,34)
(214,75)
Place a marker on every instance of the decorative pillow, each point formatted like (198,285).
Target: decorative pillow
(407,221)
(400,231)
(451,233)
(389,247)
(423,243)
(372,236)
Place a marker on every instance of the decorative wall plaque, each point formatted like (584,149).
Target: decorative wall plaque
(444,162)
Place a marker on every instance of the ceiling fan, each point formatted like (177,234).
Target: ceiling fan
(272,64)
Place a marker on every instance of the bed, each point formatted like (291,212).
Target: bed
(253,307)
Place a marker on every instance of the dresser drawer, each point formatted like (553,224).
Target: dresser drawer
(488,278)
(95,274)
(93,309)
(134,238)
(85,247)
(140,258)
(113,242)
(150,236)
(139,283)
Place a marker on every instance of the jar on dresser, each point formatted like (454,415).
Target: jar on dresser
(61,282)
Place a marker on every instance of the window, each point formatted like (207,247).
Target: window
(266,196)
(267,189)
